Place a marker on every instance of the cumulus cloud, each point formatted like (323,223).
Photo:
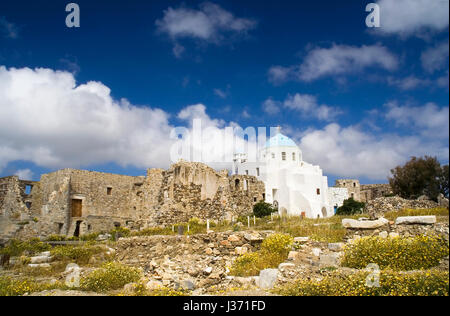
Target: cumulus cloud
(304,104)
(435,58)
(50,120)
(24,174)
(270,106)
(209,23)
(429,119)
(307,105)
(9,30)
(338,60)
(408,83)
(412,17)
(46,118)
(351,152)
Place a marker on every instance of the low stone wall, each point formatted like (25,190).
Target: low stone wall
(200,259)
(376,208)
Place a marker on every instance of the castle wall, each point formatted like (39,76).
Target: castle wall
(373,191)
(76,202)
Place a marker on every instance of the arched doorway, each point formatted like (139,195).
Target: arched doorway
(324,212)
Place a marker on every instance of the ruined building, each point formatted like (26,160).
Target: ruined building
(364,192)
(76,202)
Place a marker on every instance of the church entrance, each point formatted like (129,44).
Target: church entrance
(324,212)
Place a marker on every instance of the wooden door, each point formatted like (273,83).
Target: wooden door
(76,208)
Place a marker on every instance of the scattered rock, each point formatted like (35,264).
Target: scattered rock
(408,220)
(267,278)
(383,234)
(240,250)
(329,260)
(293,255)
(316,252)
(336,246)
(301,240)
(355,224)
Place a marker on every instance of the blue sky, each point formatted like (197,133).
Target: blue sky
(105,96)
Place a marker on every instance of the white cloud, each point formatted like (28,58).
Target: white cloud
(338,60)
(178,50)
(220,93)
(408,83)
(271,106)
(279,74)
(46,118)
(435,58)
(307,105)
(351,152)
(8,29)
(24,174)
(412,17)
(210,23)
(429,120)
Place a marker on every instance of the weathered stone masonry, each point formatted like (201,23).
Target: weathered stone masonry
(76,202)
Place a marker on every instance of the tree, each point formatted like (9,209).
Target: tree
(262,209)
(350,207)
(420,176)
(443,181)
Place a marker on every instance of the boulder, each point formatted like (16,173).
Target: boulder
(408,220)
(301,240)
(187,285)
(153,285)
(234,238)
(316,251)
(337,246)
(384,234)
(286,266)
(240,250)
(329,260)
(40,259)
(355,224)
(293,255)
(268,278)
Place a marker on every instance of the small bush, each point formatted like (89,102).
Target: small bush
(351,207)
(262,209)
(402,254)
(56,238)
(18,287)
(78,254)
(423,283)
(140,289)
(120,232)
(112,276)
(16,248)
(274,250)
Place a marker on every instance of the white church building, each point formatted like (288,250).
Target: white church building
(294,186)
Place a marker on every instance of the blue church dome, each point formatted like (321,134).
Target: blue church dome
(280,140)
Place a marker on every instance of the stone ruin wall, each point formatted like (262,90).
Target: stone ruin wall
(163,197)
(189,190)
(353,187)
(364,192)
(371,192)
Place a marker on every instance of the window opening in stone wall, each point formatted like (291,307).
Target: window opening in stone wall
(108,190)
